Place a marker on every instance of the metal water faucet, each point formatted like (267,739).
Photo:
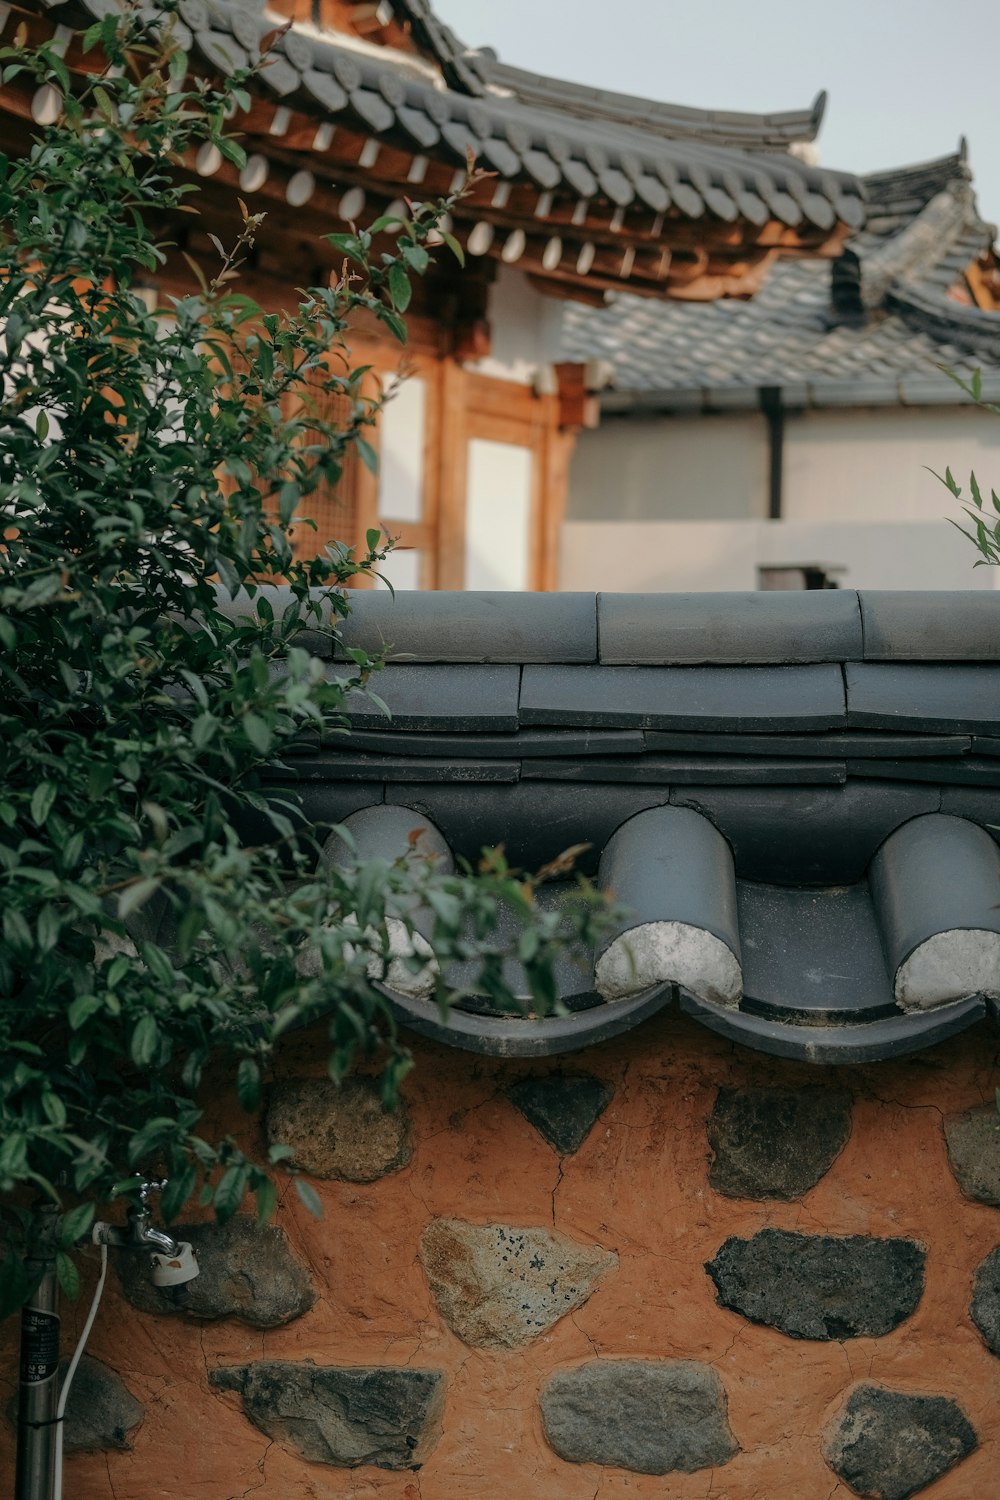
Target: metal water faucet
(172,1262)
(141,1230)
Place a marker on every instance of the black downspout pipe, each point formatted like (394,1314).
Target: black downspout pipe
(773,408)
(39,1380)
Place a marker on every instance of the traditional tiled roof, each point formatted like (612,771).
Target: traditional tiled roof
(482,71)
(600,188)
(793,796)
(733,128)
(874,327)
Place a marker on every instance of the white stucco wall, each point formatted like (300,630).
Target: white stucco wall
(681,502)
(525,328)
(658,556)
(678,468)
(872,465)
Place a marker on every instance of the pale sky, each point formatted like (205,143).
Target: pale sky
(906,78)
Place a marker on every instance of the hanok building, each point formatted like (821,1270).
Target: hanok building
(362,106)
(692,1251)
(786,441)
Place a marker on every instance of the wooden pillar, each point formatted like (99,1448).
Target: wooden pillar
(452,476)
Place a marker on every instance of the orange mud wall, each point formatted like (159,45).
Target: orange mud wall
(636,1200)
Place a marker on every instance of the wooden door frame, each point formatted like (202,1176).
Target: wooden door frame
(481,406)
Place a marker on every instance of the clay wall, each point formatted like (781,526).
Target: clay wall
(516,1300)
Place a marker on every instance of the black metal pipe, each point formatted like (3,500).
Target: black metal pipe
(773,408)
(39,1375)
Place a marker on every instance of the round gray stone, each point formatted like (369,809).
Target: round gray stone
(985,1309)
(890,1445)
(820,1286)
(650,1416)
(775,1143)
(101,1413)
(973,1141)
(247,1271)
(338,1130)
(499,1287)
(348,1417)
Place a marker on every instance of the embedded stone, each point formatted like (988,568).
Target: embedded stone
(381,1416)
(775,1143)
(650,1416)
(498,1287)
(246,1271)
(819,1286)
(101,1412)
(973,1141)
(985,1309)
(890,1445)
(563,1107)
(338,1130)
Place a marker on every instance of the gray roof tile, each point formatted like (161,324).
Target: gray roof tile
(807,626)
(648,697)
(388,97)
(802,886)
(803,328)
(960,698)
(437,697)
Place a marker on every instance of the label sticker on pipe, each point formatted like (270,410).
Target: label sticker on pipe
(39,1346)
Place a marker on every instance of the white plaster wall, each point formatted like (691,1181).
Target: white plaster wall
(665,467)
(525,328)
(498,516)
(402,426)
(872,465)
(635,557)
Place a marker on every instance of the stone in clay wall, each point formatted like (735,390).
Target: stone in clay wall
(663,1257)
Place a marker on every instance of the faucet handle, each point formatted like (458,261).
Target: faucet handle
(147,1185)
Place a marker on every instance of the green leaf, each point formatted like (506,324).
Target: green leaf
(105,108)
(178,1190)
(42,799)
(416,257)
(204,730)
(309,1197)
(16,930)
(67,1275)
(232,152)
(368,455)
(267,1199)
(453,246)
(136,895)
(76,1224)
(48,927)
(393,322)
(257,732)
(54,1108)
(81,1009)
(117,969)
(228,1196)
(144,1042)
(248,1084)
(14,1154)
(147,1140)
(399,287)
